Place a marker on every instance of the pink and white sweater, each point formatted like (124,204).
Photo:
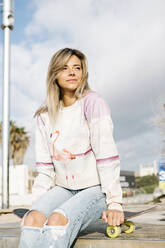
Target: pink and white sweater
(80,152)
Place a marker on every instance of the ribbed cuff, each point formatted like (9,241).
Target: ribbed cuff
(115,206)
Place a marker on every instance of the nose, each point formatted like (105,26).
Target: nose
(71,71)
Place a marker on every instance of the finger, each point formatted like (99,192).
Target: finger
(104,216)
(110,218)
(122,218)
(118,220)
(115,218)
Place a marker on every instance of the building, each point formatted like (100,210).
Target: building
(127,179)
(18,179)
(147,170)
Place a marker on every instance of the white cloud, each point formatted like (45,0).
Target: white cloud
(22,106)
(123,40)
(140,149)
(28,71)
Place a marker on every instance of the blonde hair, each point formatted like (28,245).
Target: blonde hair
(57,62)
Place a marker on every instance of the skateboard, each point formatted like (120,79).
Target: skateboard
(127,226)
(112,231)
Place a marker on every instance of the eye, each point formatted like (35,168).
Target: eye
(78,68)
(64,68)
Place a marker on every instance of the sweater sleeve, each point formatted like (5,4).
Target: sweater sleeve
(45,179)
(97,114)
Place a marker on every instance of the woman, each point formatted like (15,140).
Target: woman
(77,160)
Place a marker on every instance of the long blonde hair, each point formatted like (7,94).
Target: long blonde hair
(54,95)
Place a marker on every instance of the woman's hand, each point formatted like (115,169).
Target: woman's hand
(113,217)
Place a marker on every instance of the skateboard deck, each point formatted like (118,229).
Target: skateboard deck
(130,215)
(20,212)
(127,226)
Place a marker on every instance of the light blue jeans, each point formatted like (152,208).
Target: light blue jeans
(81,207)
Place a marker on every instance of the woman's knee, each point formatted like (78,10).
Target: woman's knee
(35,218)
(57,219)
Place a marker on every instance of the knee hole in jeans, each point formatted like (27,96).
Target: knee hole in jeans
(34,218)
(57,219)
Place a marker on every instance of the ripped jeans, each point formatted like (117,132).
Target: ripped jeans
(81,207)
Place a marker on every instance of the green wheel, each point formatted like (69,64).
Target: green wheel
(130,226)
(113,231)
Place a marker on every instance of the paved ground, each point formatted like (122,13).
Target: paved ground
(150,231)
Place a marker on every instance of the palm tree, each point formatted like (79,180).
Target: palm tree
(19,141)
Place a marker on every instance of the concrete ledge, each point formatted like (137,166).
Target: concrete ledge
(144,236)
(119,244)
(12,242)
(9,242)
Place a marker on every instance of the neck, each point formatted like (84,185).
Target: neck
(68,98)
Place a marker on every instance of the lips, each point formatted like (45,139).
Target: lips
(71,80)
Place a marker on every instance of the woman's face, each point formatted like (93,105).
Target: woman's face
(70,77)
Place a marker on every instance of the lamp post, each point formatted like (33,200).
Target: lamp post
(7,26)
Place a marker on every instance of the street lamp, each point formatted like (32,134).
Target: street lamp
(7,26)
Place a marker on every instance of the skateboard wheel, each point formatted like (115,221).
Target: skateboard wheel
(130,226)
(113,231)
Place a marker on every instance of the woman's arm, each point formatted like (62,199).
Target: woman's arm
(108,164)
(45,168)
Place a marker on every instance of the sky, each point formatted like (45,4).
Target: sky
(124,42)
